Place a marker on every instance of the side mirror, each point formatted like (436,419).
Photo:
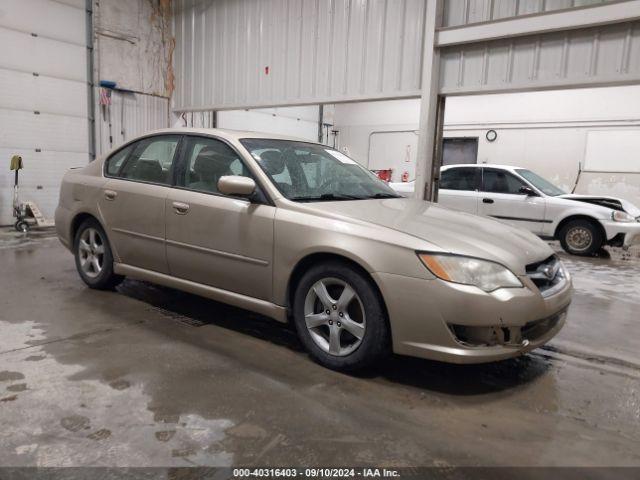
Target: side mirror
(236,185)
(528,191)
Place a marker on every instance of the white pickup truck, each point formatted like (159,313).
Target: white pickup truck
(582,223)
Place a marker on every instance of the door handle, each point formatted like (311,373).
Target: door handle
(110,194)
(180,208)
(487,200)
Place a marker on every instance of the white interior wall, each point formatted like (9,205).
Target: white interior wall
(299,122)
(544,131)
(358,121)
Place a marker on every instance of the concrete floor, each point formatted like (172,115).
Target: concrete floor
(148,376)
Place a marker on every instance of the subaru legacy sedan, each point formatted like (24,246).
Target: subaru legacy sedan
(301,233)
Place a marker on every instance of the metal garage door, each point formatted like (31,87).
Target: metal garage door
(43,97)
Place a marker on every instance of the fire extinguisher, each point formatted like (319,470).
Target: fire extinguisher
(405,176)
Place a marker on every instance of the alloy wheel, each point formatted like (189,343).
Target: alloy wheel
(334,316)
(91,252)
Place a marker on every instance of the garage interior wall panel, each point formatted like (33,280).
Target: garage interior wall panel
(43,97)
(239,54)
(142,113)
(301,122)
(606,55)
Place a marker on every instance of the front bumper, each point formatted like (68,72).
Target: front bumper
(630,230)
(427,316)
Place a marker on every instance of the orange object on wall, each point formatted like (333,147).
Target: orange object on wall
(384,175)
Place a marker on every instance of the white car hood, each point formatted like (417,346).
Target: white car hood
(628,207)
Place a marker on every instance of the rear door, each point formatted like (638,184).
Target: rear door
(132,201)
(459,188)
(501,198)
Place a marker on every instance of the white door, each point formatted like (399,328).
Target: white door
(501,197)
(459,188)
(43,102)
(394,150)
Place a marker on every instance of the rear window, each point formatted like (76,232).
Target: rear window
(115,161)
(460,179)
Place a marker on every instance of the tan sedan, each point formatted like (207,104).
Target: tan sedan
(299,232)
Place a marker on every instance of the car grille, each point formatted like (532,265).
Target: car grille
(548,275)
(532,331)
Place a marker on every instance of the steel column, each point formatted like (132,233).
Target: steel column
(428,132)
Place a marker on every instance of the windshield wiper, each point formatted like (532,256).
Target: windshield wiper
(385,195)
(326,197)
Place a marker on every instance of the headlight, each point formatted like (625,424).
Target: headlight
(618,216)
(483,274)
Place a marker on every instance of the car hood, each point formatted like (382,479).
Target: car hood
(612,203)
(450,230)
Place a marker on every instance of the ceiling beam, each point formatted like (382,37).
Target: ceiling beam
(569,19)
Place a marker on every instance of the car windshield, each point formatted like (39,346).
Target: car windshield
(540,183)
(307,172)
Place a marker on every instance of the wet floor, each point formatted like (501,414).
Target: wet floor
(148,376)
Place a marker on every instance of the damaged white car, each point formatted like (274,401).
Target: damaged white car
(582,223)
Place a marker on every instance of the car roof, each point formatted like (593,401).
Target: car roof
(480,165)
(228,133)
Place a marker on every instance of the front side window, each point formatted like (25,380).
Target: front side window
(499,181)
(467,179)
(151,160)
(540,183)
(310,172)
(207,160)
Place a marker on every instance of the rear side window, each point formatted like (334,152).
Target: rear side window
(151,160)
(460,179)
(116,160)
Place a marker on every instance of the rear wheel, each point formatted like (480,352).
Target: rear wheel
(340,318)
(94,259)
(581,237)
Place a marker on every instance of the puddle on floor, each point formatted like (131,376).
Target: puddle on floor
(49,420)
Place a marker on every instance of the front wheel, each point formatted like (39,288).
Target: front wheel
(340,318)
(581,237)
(94,259)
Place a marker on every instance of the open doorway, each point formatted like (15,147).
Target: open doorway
(459,150)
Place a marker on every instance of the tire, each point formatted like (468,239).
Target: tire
(581,237)
(91,243)
(22,226)
(360,325)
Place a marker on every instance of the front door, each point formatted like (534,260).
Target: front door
(501,198)
(132,201)
(214,239)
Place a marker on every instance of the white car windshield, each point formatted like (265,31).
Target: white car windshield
(307,172)
(540,183)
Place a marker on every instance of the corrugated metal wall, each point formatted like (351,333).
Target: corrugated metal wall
(43,97)
(464,12)
(267,52)
(595,56)
(130,114)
